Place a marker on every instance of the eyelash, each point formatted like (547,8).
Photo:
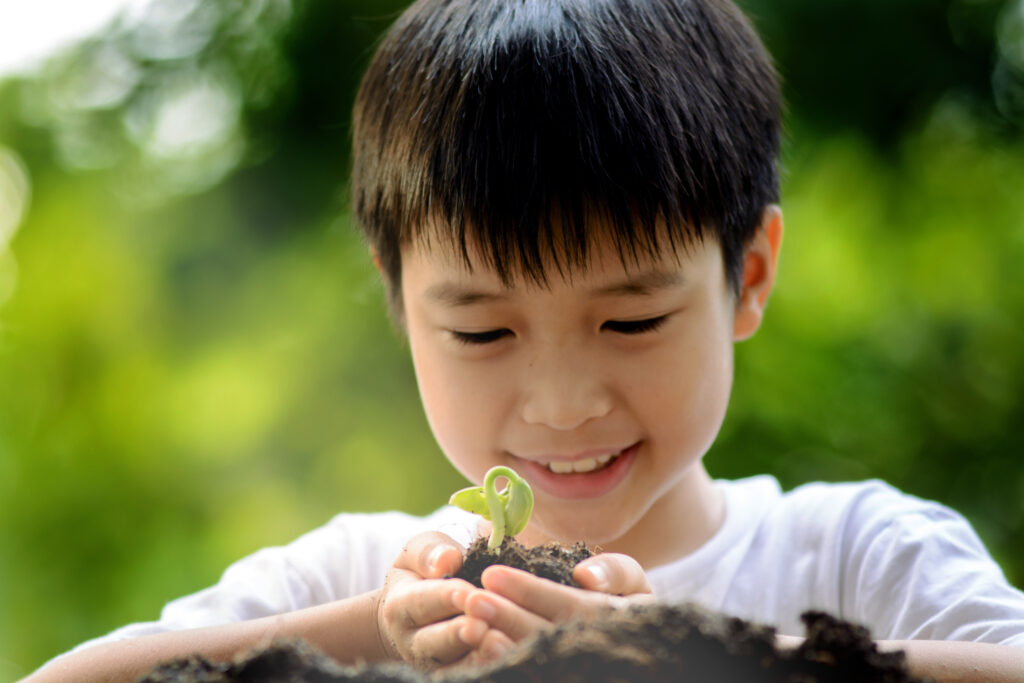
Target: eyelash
(479,338)
(635,326)
(619,326)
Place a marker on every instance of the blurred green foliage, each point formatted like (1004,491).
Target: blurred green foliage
(195,359)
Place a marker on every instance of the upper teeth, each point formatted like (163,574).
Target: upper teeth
(586,465)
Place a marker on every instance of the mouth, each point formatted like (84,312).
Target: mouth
(581,478)
(583,465)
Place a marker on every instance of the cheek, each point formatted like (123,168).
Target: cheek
(709,400)
(686,398)
(458,405)
(440,402)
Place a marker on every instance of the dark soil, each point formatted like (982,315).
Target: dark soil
(552,561)
(658,643)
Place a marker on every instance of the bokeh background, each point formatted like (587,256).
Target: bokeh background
(196,362)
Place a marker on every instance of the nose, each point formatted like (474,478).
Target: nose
(563,391)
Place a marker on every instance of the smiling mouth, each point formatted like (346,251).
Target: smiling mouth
(582,466)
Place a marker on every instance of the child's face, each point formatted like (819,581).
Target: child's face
(622,375)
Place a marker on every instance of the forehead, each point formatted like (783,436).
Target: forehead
(455,277)
(559,247)
(563,244)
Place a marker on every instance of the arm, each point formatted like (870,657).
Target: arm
(410,618)
(345,629)
(949,661)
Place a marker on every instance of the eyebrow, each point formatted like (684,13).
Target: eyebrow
(644,284)
(454,295)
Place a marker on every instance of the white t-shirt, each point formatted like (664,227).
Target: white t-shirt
(904,567)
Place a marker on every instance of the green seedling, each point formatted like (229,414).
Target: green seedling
(508,510)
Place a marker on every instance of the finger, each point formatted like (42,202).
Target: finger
(494,645)
(431,555)
(542,598)
(417,604)
(612,573)
(503,614)
(439,644)
(472,631)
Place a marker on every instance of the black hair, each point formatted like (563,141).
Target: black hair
(529,128)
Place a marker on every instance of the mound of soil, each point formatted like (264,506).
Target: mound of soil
(552,561)
(659,643)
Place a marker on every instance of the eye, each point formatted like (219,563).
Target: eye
(635,326)
(477,338)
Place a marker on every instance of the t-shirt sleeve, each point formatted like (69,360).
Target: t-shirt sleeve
(917,570)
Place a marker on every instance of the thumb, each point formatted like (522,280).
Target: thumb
(612,573)
(431,555)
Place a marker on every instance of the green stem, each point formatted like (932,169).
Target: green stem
(494,505)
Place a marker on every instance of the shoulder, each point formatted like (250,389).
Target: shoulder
(876,516)
(801,535)
(761,504)
(819,494)
(912,568)
(766,488)
(904,566)
(859,529)
(846,507)
(776,554)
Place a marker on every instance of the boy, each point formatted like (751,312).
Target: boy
(572,204)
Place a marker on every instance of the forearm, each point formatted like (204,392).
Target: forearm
(948,661)
(346,630)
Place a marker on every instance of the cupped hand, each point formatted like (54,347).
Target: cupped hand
(517,604)
(417,616)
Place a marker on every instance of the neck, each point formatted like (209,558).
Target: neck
(679,522)
(682,520)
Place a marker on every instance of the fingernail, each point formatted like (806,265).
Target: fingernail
(434,559)
(599,577)
(459,599)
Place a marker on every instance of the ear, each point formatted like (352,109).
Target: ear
(396,310)
(376,260)
(759,262)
